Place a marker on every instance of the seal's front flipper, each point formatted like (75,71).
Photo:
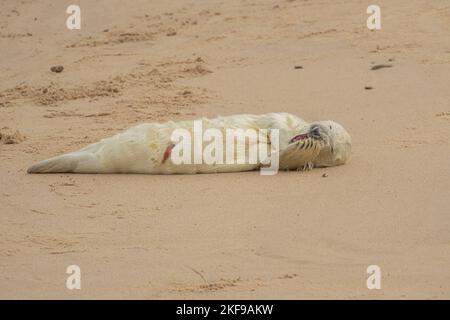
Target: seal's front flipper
(299,155)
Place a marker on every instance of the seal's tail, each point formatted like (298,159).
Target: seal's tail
(77,162)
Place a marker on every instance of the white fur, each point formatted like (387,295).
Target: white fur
(141,149)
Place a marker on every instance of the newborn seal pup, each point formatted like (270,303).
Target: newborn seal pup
(147,148)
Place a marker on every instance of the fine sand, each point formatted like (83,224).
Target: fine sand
(289,236)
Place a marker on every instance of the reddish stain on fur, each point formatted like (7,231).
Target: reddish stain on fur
(167,152)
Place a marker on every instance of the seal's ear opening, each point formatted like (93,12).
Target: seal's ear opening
(339,149)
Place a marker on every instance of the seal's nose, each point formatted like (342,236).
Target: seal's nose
(314,131)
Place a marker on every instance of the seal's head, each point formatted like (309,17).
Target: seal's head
(337,143)
(319,144)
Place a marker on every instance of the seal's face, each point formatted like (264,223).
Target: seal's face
(335,142)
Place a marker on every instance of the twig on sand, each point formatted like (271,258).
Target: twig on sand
(198,273)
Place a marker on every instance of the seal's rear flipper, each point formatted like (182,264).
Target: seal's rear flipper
(71,162)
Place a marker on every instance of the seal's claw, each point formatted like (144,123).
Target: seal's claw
(308,166)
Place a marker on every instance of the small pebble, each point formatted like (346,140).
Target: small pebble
(57,69)
(325,175)
(298,67)
(368,87)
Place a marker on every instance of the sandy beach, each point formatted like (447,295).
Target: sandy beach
(294,235)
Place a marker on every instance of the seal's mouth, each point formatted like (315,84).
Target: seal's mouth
(314,133)
(299,137)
